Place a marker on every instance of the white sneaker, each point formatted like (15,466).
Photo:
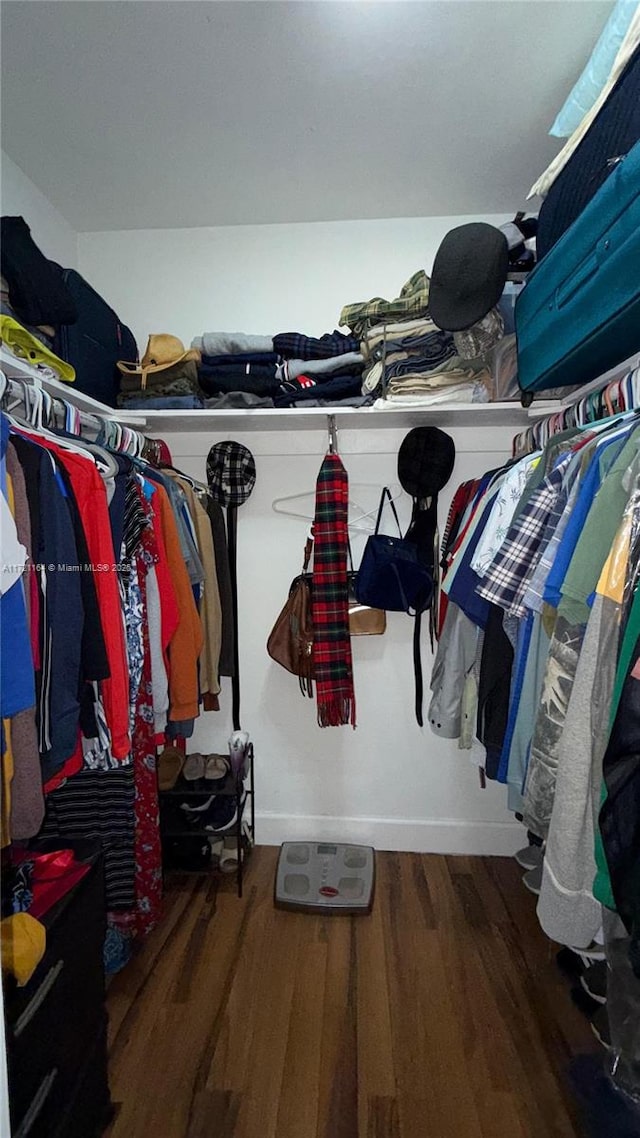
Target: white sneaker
(229,854)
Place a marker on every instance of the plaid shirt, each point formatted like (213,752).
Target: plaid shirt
(293,345)
(507,576)
(413,301)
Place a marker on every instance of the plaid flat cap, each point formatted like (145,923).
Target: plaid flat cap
(231,473)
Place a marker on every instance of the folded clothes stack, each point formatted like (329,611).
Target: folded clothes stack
(286,370)
(413,302)
(408,359)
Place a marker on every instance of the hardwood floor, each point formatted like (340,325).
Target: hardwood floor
(441,1015)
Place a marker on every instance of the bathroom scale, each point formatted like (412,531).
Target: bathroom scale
(325,877)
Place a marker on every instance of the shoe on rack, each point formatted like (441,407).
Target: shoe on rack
(218,814)
(229,855)
(594,981)
(216,769)
(533,880)
(530,857)
(195,814)
(193,769)
(170,763)
(600,1028)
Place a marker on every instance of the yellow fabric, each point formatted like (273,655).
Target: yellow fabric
(23,941)
(32,351)
(6,770)
(614,571)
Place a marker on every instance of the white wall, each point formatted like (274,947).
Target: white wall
(256,278)
(389,782)
(49,229)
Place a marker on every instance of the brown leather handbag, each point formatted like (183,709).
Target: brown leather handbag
(290,642)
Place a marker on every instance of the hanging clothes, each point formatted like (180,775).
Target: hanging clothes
(111,636)
(558,563)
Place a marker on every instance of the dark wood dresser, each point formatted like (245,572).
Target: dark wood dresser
(56,1026)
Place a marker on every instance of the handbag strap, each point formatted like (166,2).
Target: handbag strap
(417,667)
(232,545)
(308,549)
(386,496)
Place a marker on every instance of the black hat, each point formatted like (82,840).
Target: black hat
(231,473)
(468,276)
(425,461)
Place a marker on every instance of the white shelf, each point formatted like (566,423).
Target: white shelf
(542,409)
(314,418)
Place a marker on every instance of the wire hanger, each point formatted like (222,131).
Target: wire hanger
(617,399)
(357,513)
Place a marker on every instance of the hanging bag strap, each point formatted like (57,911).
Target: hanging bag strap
(232,542)
(386,496)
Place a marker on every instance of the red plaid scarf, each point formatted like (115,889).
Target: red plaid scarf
(331,641)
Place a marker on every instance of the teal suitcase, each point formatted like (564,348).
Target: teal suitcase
(579,313)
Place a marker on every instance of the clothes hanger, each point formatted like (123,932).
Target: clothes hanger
(279,505)
(199,487)
(362,515)
(38,408)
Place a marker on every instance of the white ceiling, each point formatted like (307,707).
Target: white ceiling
(169,114)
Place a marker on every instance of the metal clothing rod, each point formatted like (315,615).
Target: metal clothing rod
(592,404)
(41,407)
(608,377)
(15,388)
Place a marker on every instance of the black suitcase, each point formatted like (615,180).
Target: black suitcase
(613,133)
(95,343)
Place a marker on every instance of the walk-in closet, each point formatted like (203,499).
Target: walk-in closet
(319,552)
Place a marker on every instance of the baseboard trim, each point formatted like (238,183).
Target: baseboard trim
(446,836)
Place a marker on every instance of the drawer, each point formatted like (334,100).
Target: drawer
(57,1100)
(89,1110)
(75,933)
(57,1036)
(54,1020)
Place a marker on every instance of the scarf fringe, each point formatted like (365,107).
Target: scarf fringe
(337,712)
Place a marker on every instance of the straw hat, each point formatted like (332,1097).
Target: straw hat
(163,351)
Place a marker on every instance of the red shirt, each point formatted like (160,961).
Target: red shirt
(91,497)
